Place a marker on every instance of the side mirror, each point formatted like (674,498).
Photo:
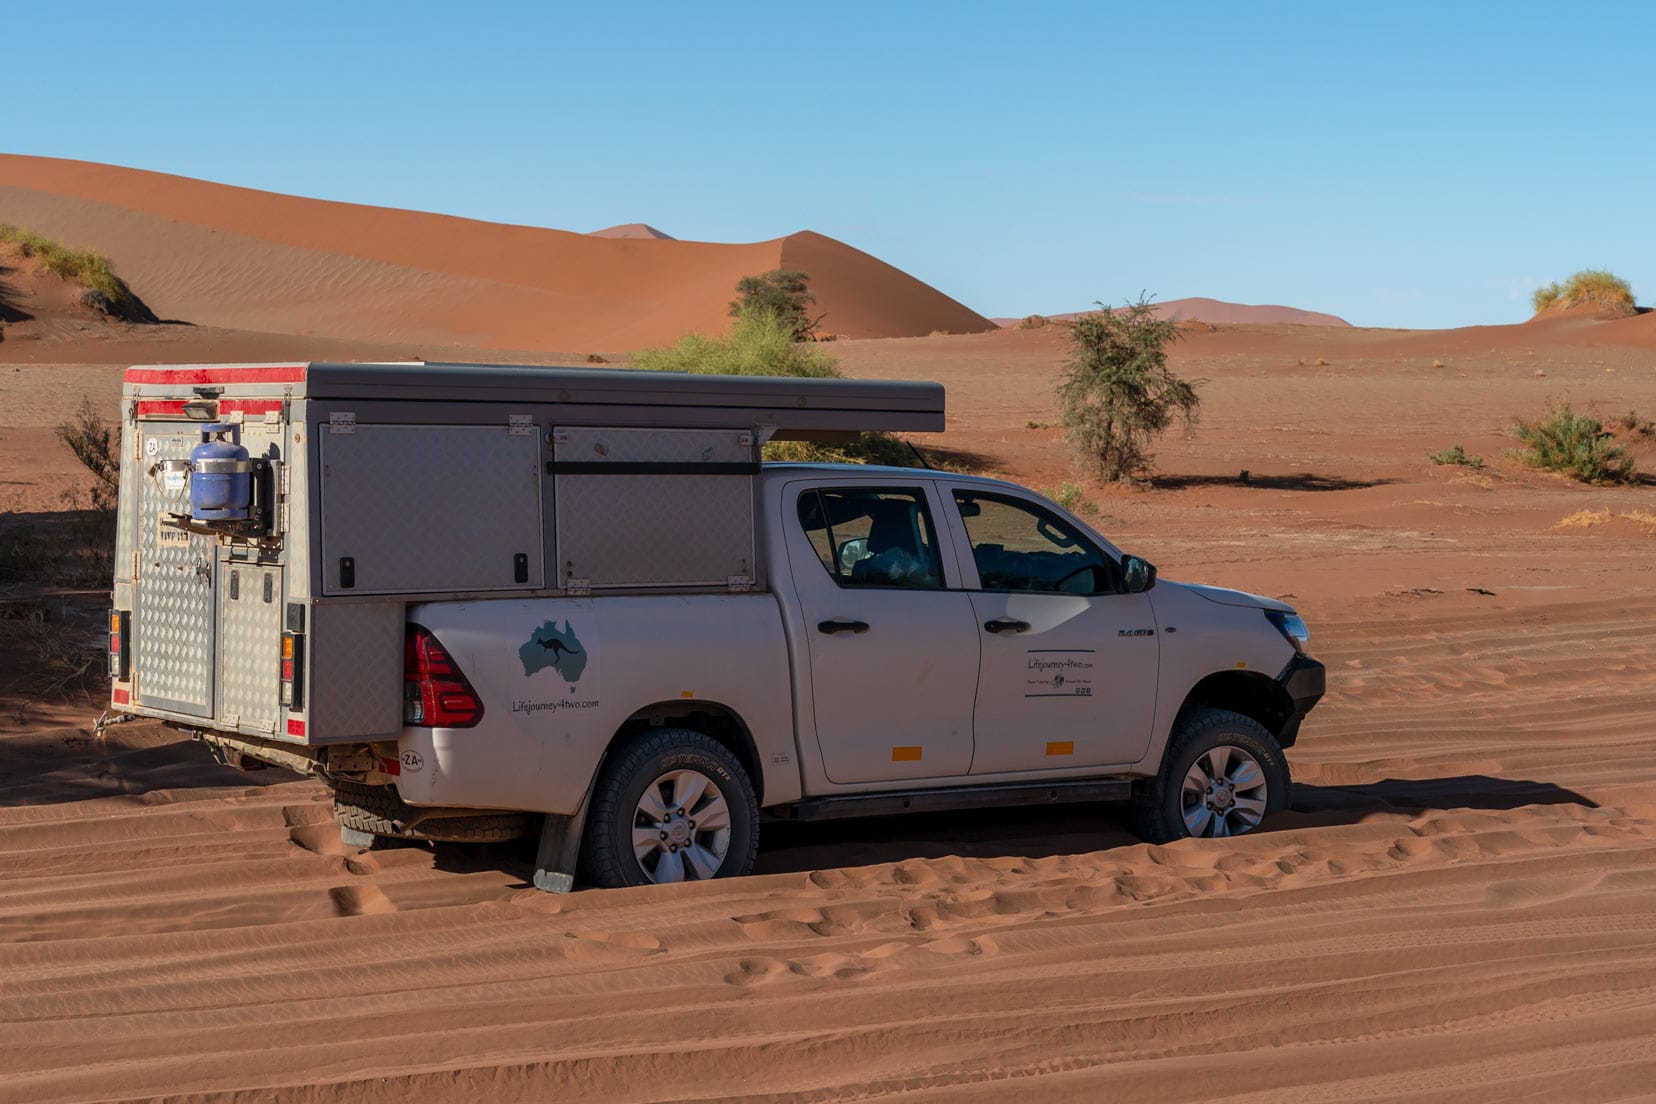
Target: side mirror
(1137,575)
(851,551)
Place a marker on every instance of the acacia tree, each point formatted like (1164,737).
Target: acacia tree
(1117,393)
(782,292)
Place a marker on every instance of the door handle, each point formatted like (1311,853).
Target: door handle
(1006,624)
(839,626)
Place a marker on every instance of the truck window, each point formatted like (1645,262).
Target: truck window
(1018,546)
(876,538)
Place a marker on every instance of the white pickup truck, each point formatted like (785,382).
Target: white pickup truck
(649,637)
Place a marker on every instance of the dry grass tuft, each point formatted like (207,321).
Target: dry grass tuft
(1591,286)
(90,270)
(1583,519)
(1586,519)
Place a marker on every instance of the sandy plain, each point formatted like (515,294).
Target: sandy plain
(1457,907)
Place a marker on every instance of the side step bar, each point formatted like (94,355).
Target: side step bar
(959,797)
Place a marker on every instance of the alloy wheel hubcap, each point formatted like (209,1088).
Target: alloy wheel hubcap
(681,828)
(1224,793)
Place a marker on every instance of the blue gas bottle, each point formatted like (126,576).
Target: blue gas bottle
(221,483)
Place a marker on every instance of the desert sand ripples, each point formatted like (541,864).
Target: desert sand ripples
(1458,903)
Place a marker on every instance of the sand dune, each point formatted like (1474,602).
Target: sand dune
(1218,312)
(236,258)
(631,230)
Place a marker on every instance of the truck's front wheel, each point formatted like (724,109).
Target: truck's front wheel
(1223,773)
(672,805)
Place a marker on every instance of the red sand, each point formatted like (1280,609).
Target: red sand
(233,257)
(1457,908)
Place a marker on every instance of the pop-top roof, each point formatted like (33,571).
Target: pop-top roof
(607,396)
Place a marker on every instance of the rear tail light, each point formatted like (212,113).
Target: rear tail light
(293,671)
(120,625)
(435,691)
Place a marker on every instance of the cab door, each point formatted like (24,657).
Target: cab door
(1067,677)
(893,648)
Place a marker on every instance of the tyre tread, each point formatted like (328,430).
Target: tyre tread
(605,859)
(1149,816)
(379,809)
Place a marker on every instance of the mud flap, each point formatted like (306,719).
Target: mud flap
(560,851)
(362,841)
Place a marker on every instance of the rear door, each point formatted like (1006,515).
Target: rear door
(176,577)
(250,622)
(893,645)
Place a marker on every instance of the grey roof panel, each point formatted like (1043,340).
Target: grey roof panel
(815,404)
(799,408)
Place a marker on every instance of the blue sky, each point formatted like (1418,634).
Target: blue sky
(1399,165)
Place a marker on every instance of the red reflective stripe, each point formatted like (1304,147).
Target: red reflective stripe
(121,697)
(295,728)
(261,373)
(249,406)
(153,407)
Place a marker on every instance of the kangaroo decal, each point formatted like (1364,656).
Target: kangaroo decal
(559,649)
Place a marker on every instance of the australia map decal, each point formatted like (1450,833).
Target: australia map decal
(550,646)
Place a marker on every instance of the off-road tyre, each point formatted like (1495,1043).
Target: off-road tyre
(381,811)
(1157,813)
(607,857)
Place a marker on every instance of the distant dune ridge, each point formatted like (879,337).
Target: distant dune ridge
(1218,311)
(242,259)
(632,230)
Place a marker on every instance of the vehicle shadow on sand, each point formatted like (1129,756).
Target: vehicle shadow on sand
(1047,831)
(11,309)
(62,765)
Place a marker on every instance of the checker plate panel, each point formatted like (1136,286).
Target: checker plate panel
(173,619)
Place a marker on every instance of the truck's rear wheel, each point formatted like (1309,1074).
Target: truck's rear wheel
(1223,773)
(673,805)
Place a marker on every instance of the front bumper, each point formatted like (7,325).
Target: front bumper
(1304,681)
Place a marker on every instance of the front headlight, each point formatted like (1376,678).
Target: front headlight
(1292,626)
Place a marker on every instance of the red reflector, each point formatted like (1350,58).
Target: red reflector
(295,728)
(121,697)
(248,406)
(390,766)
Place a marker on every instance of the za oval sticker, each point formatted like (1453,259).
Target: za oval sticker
(413,761)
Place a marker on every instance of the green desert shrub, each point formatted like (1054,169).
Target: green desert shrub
(1591,286)
(1575,444)
(1117,393)
(783,292)
(760,344)
(1073,497)
(1456,455)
